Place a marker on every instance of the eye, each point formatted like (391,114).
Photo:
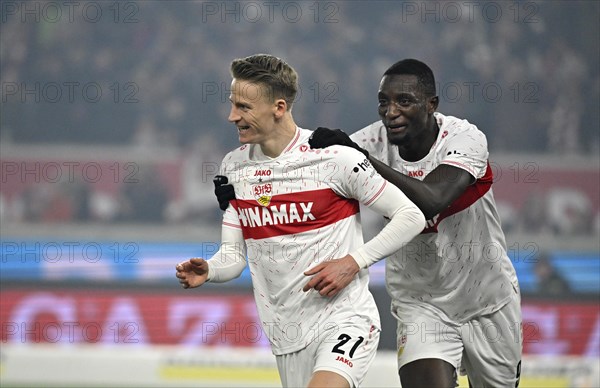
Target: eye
(405,102)
(383,103)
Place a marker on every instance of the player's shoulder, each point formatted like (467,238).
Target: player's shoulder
(238,154)
(458,128)
(346,158)
(374,130)
(373,138)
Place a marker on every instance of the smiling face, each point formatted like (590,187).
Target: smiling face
(405,110)
(253,112)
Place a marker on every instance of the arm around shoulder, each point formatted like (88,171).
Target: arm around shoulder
(433,194)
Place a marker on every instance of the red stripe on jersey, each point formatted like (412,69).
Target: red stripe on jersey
(471,194)
(376,194)
(293,142)
(293,213)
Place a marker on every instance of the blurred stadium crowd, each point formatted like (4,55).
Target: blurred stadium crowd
(524,73)
(153,76)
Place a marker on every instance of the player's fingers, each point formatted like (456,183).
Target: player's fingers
(312,283)
(185,266)
(329,291)
(199,266)
(315,269)
(326,286)
(320,285)
(307,287)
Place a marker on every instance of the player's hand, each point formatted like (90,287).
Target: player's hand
(331,277)
(223,191)
(192,273)
(324,137)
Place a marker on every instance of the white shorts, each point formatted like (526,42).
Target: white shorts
(346,350)
(488,348)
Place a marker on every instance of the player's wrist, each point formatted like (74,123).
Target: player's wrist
(209,272)
(360,258)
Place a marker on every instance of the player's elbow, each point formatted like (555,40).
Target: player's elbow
(418,218)
(430,212)
(413,216)
(436,203)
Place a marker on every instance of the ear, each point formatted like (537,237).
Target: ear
(280,107)
(432,104)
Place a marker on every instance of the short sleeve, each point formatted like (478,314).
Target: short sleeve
(467,150)
(355,177)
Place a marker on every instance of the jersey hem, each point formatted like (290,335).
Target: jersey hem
(479,313)
(339,372)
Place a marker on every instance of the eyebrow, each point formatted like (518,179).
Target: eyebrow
(399,95)
(240,103)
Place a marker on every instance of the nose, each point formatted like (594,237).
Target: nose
(234,116)
(392,111)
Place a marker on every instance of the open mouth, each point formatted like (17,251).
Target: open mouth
(243,129)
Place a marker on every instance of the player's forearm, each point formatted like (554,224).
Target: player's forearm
(430,197)
(406,221)
(418,192)
(230,260)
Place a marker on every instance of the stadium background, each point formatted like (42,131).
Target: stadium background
(113,123)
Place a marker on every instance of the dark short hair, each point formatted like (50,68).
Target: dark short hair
(279,78)
(424,74)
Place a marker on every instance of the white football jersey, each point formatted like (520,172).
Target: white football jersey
(459,262)
(296,211)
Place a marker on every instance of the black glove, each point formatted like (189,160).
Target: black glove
(223,191)
(324,137)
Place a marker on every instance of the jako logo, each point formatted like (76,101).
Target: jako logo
(262,173)
(363,165)
(344,360)
(413,174)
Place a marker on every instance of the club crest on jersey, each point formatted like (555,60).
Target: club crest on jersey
(263,193)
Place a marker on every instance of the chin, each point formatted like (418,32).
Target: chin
(245,139)
(396,139)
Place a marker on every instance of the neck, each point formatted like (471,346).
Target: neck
(282,136)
